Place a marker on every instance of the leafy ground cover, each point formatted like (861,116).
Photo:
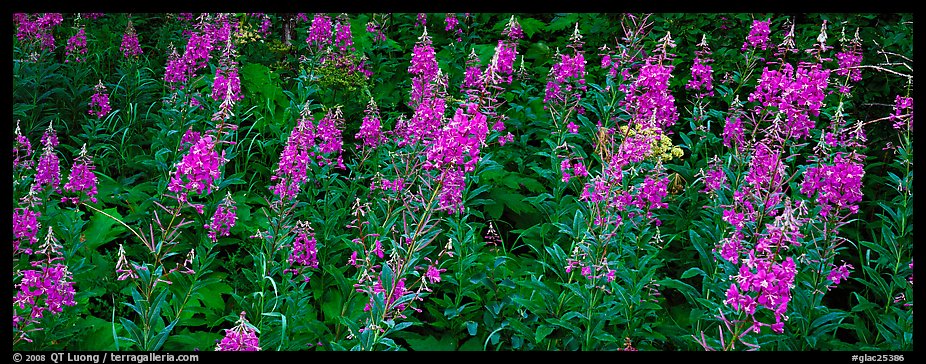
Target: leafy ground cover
(484,181)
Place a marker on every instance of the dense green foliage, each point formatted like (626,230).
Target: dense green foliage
(502,260)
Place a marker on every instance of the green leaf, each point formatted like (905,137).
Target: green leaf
(530,26)
(332,305)
(96,334)
(472,327)
(691,272)
(690,293)
(386,277)
(563,22)
(863,303)
(430,343)
(452,312)
(162,336)
(542,332)
(473,344)
(103,229)
(189,341)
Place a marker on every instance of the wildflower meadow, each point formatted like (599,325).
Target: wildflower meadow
(462,181)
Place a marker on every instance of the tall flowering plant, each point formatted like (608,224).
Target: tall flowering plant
(612,239)
(782,216)
(43,273)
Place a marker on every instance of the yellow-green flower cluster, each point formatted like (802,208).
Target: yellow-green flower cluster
(661,146)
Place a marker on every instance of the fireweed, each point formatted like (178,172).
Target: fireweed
(378,212)
(780,249)
(77,46)
(47,288)
(395,256)
(617,199)
(99,102)
(129,46)
(175,255)
(242,337)
(37,29)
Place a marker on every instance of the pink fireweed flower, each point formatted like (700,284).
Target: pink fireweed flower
(820,48)
(472,76)
(566,79)
(433,274)
(305,250)
(99,102)
(505,138)
(838,185)
(198,52)
(48,288)
(198,169)
(421,20)
(353,259)
(227,85)
(370,129)
(330,143)
(451,22)
(763,283)
(376,31)
(82,179)
(378,249)
(513,31)
(129,46)
(242,337)
(787,44)
(40,29)
(220,29)
(849,62)
(837,274)
(424,69)
(389,298)
(223,219)
(292,169)
(579,169)
(77,47)
(903,113)
(451,195)
(453,25)
(342,36)
(396,185)
(454,151)
(572,127)
(650,194)
(25,228)
(265,24)
(320,32)
(714,177)
(733,134)
(701,72)
(501,67)
(648,97)
(22,149)
(766,169)
(570,169)
(48,170)
(758,35)
(175,72)
(797,94)
(424,122)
